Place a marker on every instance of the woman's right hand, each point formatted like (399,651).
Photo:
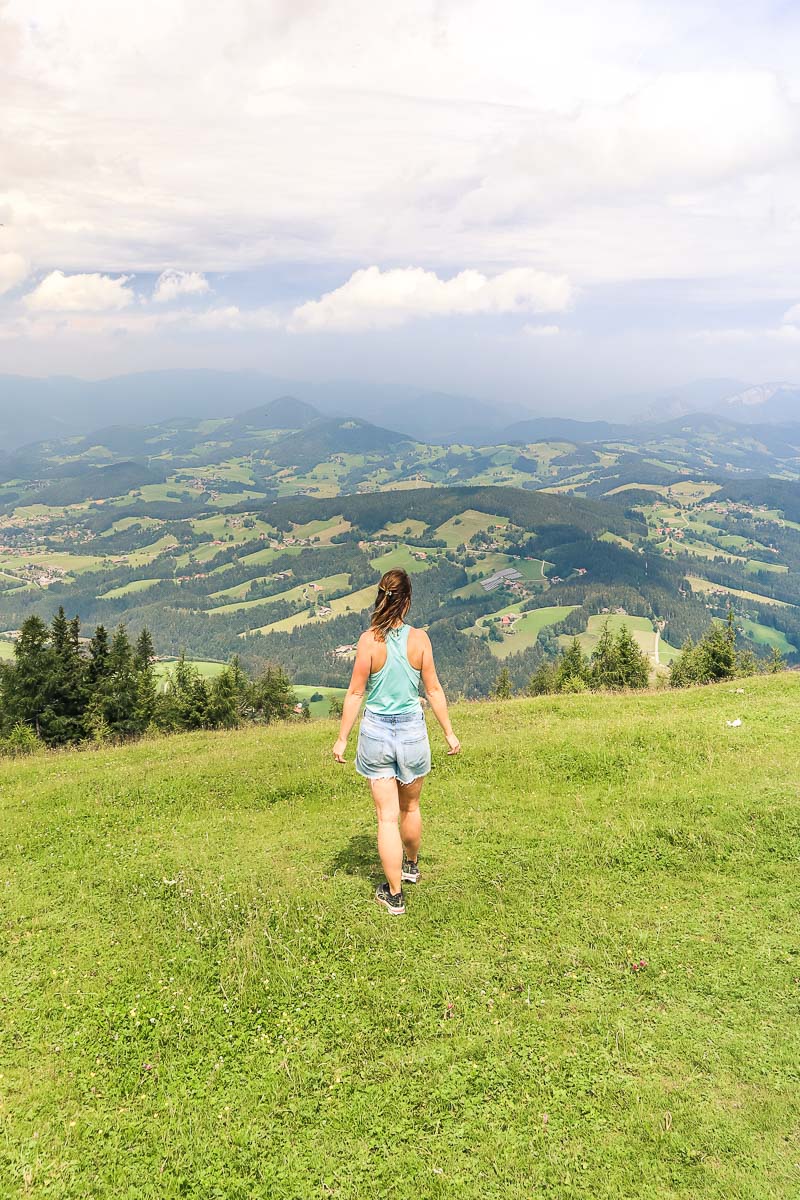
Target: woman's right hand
(453,743)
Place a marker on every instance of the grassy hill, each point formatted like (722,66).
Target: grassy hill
(200,998)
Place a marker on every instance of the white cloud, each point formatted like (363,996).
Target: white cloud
(171,284)
(79,293)
(542,331)
(13,269)
(375,299)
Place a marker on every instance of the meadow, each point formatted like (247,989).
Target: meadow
(594,992)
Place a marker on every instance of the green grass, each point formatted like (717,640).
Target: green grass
(138,585)
(6,650)
(754,565)
(319,708)
(330,583)
(466,524)
(403,557)
(526,629)
(201,999)
(704,586)
(208,668)
(353,602)
(765,635)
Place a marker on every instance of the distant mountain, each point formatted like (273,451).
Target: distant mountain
(329,436)
(98,483)
(701,395)
(768,403)
(287,412)
(760,403)
(544,429)
(37,409)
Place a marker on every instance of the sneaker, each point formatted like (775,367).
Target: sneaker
(393,904)
(410,873)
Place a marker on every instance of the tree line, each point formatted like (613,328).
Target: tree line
(61,689)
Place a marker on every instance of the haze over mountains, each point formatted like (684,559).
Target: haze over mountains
(33,409)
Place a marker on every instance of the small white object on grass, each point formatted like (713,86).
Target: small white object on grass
(734,724)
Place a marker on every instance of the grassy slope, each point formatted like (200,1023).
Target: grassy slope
(200,997)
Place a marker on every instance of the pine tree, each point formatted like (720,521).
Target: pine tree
(62,718)
(502,685)
(544,680)
(686,669)
(746,662)
(605,671)
(572,671)
(718,651)
(270,697)
(776,661)
(98,655)
(114,700)
(144,654)
(631,661)
(223,705)
(25,683)
(146,708)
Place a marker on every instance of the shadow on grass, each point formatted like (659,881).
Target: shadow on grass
(358,857)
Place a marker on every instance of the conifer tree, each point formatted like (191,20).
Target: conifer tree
(223,703)
(98,655)
(776,661)
(62,718)
(270,697)
(115,697)
(502,685)
(572,672)
(544,680)
(632,663)
(605,661)
(144,654)
(25,684)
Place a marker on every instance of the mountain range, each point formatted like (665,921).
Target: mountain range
(62,406)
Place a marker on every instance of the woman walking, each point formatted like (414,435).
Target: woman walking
(393,751)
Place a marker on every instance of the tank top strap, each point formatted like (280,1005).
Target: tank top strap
(397,639)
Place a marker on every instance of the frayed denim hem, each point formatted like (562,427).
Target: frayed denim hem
(391,775)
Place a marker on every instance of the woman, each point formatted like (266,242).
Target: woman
(393,750)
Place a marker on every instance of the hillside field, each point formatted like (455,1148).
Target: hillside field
(200,997)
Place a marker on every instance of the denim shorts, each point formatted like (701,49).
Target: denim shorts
(393,747)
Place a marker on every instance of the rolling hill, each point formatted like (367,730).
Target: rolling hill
(596,977)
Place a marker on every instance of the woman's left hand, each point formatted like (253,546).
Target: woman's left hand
(339,747)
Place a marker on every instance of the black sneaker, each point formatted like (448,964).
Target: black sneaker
(393,904)
(410,873)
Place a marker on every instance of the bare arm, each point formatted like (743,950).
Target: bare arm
(435,693)
(355,694)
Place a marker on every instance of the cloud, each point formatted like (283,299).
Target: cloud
(375,299)
(79,293)
(171,284)
(542,331)
(13,269)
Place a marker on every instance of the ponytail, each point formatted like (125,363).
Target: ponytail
(392,602)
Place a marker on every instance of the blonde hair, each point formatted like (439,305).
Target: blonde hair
(392,602)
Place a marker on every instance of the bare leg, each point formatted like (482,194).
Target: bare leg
(390,847)
(410,817)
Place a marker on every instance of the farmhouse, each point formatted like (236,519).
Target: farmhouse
(500,578)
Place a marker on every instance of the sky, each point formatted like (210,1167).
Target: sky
(562,206)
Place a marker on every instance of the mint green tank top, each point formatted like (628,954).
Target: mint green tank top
(395,688)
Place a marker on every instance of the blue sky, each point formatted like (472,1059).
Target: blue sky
(564,204)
